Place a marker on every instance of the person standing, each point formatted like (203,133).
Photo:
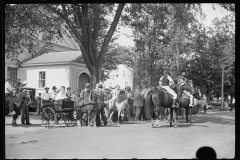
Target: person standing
(138,103)
(101,106)
(8,95)
(130,103)
(85,94)
(25,114)
(39,103)
(86,91)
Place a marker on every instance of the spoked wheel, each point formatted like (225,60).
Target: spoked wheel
(48,117)
(194,110)
(69,119)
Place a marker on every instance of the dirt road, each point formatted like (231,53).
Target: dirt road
(129,140)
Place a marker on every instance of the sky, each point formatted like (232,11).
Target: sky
(207,9)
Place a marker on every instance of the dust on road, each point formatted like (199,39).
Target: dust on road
(129,140)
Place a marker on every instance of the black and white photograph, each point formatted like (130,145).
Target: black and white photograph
(119,80)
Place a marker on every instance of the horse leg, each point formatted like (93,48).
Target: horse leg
(110,117)
(174,117)
(157,116)
(14,124)
(80,118)
(88,118)
(171,117)
(119,116)
(184,112)
(190,115)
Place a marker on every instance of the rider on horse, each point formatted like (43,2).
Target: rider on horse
(9,92)
(183,80)
(166,81)
(19,86)
(115,94)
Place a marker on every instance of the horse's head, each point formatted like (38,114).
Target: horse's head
(26,94)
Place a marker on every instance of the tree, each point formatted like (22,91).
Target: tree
(86,22)
(89,24)
(24,24)
(161,32)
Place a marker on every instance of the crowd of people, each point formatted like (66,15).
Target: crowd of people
(135,111)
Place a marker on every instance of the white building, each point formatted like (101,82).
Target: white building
(59,45)
(123,76)
(55,69)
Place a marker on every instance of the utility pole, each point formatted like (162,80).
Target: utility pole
(222,101)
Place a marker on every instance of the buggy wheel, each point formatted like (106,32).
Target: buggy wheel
(69,119)
(194,110)
(48,117)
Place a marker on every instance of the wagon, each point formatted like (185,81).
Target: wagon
(52,113)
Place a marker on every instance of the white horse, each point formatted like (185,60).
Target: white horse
(120,104)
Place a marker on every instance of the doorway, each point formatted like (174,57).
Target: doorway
(82,80)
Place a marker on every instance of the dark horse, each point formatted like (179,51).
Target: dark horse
(162,100)
(88,105)
(18,101)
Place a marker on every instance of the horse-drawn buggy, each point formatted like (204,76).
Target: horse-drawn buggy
(52,112)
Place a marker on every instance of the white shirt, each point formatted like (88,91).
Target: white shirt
(53,95)
(168,77)
(7,86)
(61,95)
(46,96)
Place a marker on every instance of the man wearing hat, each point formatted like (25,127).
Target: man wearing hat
(86,91)
(46,99)
(8,94)
(19,85)
(182,79)
(101,105)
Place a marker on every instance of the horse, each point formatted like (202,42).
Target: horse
(18,101)
(161,98)
(87,105)
(120,104)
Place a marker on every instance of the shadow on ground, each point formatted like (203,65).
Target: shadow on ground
(213,119)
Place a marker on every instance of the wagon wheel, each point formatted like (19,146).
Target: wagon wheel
(194,110)
(69,119)
(48,117)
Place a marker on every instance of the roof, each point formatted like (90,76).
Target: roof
(122,65)
(55,57)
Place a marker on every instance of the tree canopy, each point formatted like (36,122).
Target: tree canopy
(91,25)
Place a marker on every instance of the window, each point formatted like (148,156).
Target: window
(12,72)
(123,73)
(110,85)
(126,84)
(117,74)
(42,79)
